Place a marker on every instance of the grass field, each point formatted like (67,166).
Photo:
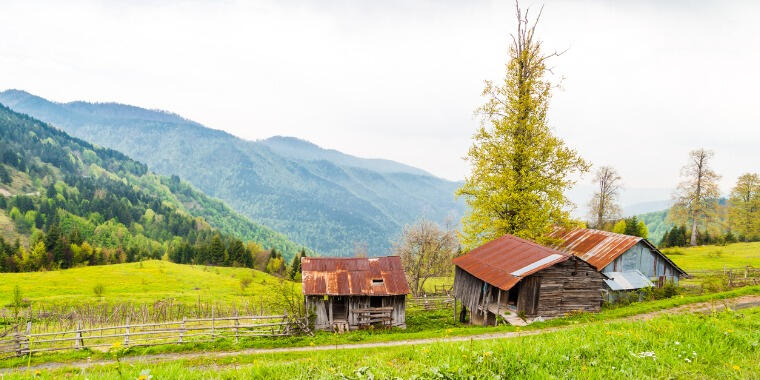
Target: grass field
(143,282)
(719,345)
(713,257)
(434,324)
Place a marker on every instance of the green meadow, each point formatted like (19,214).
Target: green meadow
(715,257)
(141,282)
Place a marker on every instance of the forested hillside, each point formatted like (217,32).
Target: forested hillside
(65,202)
(326,200)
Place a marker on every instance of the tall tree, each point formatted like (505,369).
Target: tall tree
(426,251)
(744,206)
(216,250)
(604,206)
(520,170)
(697,195)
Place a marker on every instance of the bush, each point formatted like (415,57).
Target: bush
(245,282)
(99,289)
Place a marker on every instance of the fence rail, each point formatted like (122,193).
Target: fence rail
(431,302)
(19,343)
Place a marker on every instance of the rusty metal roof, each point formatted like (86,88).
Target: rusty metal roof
(505,261)
(598,248)
(377,276)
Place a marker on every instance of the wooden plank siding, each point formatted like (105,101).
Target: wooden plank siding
(565,287)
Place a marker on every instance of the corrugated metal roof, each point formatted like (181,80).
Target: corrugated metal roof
(598,248)
(377,276)
(627,280)
(506,260)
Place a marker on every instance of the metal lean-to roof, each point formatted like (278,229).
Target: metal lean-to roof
(600,248)
(505,261)
(377,276)
(627,280)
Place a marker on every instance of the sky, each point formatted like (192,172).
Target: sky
(641,84)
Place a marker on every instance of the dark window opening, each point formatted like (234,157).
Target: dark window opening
(377,281)
(375,301)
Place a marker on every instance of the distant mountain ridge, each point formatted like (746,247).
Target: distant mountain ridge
(321,198)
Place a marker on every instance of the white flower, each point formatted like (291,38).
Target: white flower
(677,343)
(688,360)
(645,354)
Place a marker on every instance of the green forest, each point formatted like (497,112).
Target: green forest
(67,203)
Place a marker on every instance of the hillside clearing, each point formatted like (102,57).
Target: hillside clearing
(141,282)
(714,257)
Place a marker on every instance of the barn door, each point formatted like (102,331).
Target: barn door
(527,299)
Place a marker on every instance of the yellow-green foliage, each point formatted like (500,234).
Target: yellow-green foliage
(716,257)
(143,282)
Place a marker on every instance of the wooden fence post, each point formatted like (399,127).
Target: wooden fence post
(18,342)
(126,333)
(455,310)
(78,341)
(27,338)
(237,323)
(182,331)
(212,323)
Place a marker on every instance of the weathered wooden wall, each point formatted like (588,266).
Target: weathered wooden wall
(324,320)
(568,286)
(642,258)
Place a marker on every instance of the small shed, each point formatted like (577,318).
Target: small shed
(350,293)
(611,253)
(511,276)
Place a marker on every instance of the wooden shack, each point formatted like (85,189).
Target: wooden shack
(620,257)
(514,277)
(352,293)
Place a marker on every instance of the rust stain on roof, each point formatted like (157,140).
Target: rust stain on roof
(505,261)
(378,276)
(598,248)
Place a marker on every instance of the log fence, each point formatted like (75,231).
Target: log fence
(22,342)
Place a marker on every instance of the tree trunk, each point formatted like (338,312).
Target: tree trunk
(693,240)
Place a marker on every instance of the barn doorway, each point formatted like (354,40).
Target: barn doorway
(340,311)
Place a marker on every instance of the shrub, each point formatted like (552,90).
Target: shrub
(245,282)
(99,289)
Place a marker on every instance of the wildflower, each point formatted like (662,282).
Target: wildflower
(736,367)
(37,373)
(448,331)
(583,368)
(116,345)
(145,375)
(311,343)
(677,343)
(487,353)
(687,360)
(645,354)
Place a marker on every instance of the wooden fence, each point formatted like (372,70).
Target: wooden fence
(21,341)
(433,302)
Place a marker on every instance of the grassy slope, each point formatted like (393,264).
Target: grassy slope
(421,325)
(712,257)
(137,282)
(720,345)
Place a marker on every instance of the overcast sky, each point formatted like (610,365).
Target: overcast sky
(645,82)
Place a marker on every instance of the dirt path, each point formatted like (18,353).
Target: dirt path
(737,303)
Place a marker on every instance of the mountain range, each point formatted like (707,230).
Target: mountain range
(323,199)
(60,192)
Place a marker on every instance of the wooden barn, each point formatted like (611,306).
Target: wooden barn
(629,262)
(351,293)
(514,277)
